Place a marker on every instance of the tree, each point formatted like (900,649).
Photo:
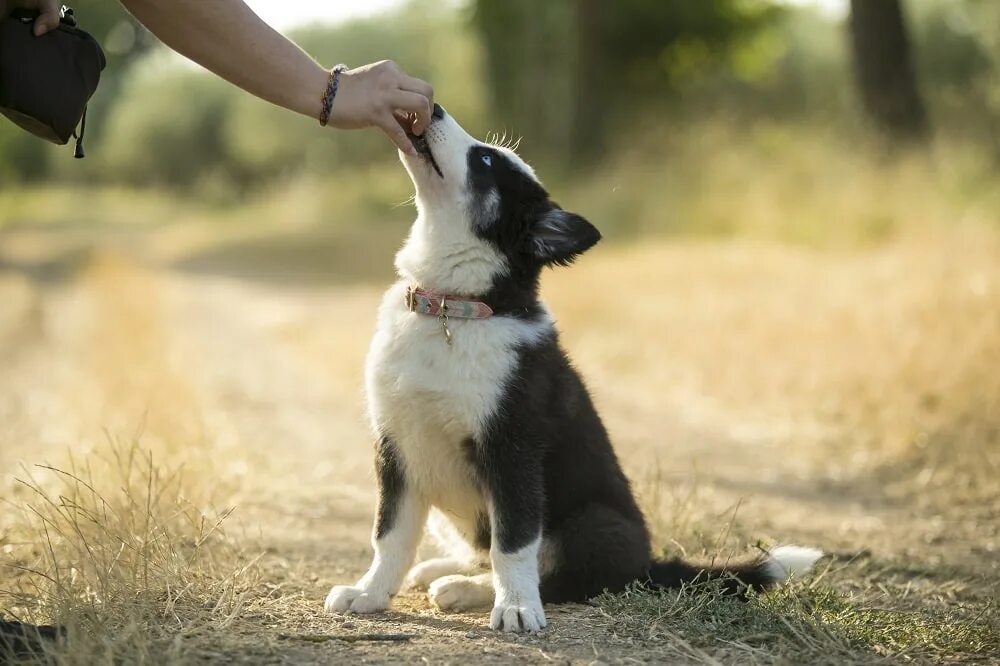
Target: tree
(883,69)
(564,71)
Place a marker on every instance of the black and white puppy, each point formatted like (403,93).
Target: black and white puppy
(484,420)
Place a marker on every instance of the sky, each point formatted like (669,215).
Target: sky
(836,9)
(284,14)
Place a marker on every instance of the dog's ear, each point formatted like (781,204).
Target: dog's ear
(559,237)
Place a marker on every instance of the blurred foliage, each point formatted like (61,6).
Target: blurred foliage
(577,78)
(580,63)
(958,60)
(166,123)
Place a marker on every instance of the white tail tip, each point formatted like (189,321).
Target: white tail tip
(786,562)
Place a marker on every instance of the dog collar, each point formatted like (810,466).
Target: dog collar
(436,305)
(445,306)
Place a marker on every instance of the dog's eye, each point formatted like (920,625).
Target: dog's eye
(487,159)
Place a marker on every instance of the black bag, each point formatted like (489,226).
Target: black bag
(46,82)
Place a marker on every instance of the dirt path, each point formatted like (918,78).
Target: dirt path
(256,386)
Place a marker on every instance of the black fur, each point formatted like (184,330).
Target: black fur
(484,535)
(27,641)
(391,484)
(551,453)
(736,578)
(545,459)
(517,229)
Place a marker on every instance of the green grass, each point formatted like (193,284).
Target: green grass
(806,623)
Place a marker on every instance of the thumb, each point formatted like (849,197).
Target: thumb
(48,19)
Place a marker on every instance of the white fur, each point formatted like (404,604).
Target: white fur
(486,211)
(428,395)
(431,397)
(393,555)
(422,575)
(448,539)
(444,261)
(518,605)
(786,562)
(460,593)
(443,254)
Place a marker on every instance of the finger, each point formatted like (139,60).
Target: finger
(418,86)
(405,102)
(392,129)
(48,18)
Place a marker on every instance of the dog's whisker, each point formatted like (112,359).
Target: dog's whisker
(409,201)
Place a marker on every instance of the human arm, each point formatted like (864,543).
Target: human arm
(227,38)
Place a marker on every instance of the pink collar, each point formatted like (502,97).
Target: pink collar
(445,305)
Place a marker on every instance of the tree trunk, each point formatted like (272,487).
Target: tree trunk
(529,66)
(591,85)
(884,71)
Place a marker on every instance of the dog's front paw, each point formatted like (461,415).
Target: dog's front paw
(526,615)
(348,599)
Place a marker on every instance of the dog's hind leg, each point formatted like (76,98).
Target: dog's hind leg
(428,571)
(596,549)
(460,557)
(460,593)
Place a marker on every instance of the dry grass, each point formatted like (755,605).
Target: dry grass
(116,550)
(840,391)
(120,543)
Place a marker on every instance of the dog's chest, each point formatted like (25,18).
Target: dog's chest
(434,399)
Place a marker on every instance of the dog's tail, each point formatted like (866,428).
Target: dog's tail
(767,571)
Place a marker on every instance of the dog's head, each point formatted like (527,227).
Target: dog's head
(483,215)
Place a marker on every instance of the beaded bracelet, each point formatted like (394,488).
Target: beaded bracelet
(331,92)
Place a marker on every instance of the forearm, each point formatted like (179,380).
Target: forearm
(227,38)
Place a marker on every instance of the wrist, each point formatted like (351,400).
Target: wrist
(330,94)
(309,97)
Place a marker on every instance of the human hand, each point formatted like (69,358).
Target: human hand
(48,17)
(383,95)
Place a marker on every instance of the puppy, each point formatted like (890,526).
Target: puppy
(479,415)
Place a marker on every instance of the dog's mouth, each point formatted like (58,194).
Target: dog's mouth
(420,143)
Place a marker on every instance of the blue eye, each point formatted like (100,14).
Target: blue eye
(487,160)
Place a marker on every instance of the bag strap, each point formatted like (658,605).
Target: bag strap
(78,151)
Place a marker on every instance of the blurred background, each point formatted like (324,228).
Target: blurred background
(639,112)
(801,206)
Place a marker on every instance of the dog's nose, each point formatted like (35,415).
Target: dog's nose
(438,112)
